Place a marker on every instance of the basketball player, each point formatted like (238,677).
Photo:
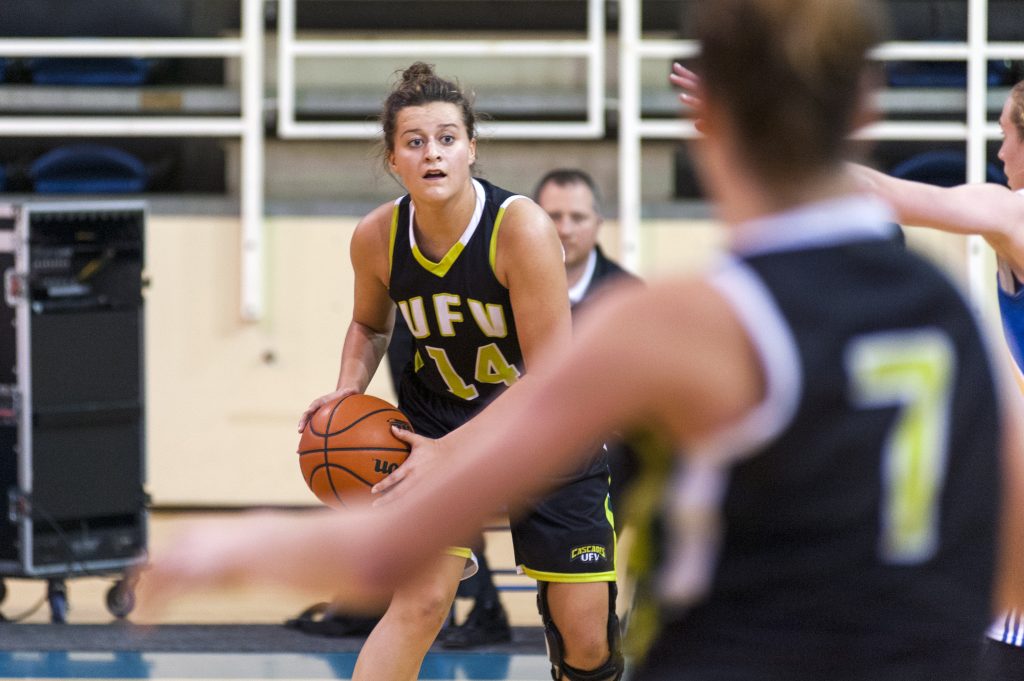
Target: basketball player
(997,214)
(477,275)
(829,459)
(572,200)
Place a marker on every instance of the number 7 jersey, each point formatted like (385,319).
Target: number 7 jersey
(846,526)
(459,314)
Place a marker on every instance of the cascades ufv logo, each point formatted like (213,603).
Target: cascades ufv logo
(589,554)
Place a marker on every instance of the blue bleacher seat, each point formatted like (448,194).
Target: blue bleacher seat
(88,169)
(951,74)
(942,167)
(91,71)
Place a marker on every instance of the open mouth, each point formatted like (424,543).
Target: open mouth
(434,175)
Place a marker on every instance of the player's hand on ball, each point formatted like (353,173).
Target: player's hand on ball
(321,401)
(426,453)
(692,94)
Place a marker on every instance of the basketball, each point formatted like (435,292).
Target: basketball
(347,447)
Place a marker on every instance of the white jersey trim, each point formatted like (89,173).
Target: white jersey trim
(1008,628)
(474,221)
(826,223)
(780,361)
(693,520)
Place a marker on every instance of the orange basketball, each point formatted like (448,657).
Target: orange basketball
(347,447)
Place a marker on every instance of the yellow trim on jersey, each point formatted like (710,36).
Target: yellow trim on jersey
(459,552)
(610,515)
(438,268)
(393,233)
(417,361)
(493,251)
(569,578)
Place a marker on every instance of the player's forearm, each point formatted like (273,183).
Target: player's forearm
(982,209)
(361,354)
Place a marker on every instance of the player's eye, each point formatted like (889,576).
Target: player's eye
(447,139)
(415,142)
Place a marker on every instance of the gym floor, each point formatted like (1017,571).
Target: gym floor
(235,634)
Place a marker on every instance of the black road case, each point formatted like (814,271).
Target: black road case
(72,436)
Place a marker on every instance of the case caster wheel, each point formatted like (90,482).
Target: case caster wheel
(57,593)
(121,599)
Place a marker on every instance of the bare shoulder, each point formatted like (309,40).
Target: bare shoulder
(524,220)
(527,244)
(375,225)
(371,241)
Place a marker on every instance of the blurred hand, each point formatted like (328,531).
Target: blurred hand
(309,551)
(202,555)
(692,95)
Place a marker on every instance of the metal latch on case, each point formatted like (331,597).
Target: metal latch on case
(14,287)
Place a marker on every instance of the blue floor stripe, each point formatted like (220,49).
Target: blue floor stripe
(134,665)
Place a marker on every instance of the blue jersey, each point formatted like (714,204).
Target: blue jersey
(1009,627)
(1011,310)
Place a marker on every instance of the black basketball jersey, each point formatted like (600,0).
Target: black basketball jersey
(846,528)
(459,314)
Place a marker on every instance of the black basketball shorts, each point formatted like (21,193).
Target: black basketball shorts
(569,535)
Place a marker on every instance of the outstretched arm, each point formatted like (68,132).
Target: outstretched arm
(672,357)
(988,210)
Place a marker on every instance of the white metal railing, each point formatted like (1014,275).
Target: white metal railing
(592,49)
(975,130)
(247,126)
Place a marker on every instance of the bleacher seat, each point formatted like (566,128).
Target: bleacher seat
(942,74)
(88,169)
(942,167)
(92,71)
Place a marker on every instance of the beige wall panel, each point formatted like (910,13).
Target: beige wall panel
(224,395)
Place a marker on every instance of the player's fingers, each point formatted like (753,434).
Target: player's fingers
(680,71)
(310,410)
(393,479)
(407,436)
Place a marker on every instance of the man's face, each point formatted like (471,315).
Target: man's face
(571,208)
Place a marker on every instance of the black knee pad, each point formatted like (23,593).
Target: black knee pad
(613,667)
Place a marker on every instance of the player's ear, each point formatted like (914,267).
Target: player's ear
(472,151)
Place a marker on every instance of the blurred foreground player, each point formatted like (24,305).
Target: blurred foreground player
(832,445)
(997,214)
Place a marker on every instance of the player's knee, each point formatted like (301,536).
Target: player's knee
(586,642)
(427,608)
(583,648)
